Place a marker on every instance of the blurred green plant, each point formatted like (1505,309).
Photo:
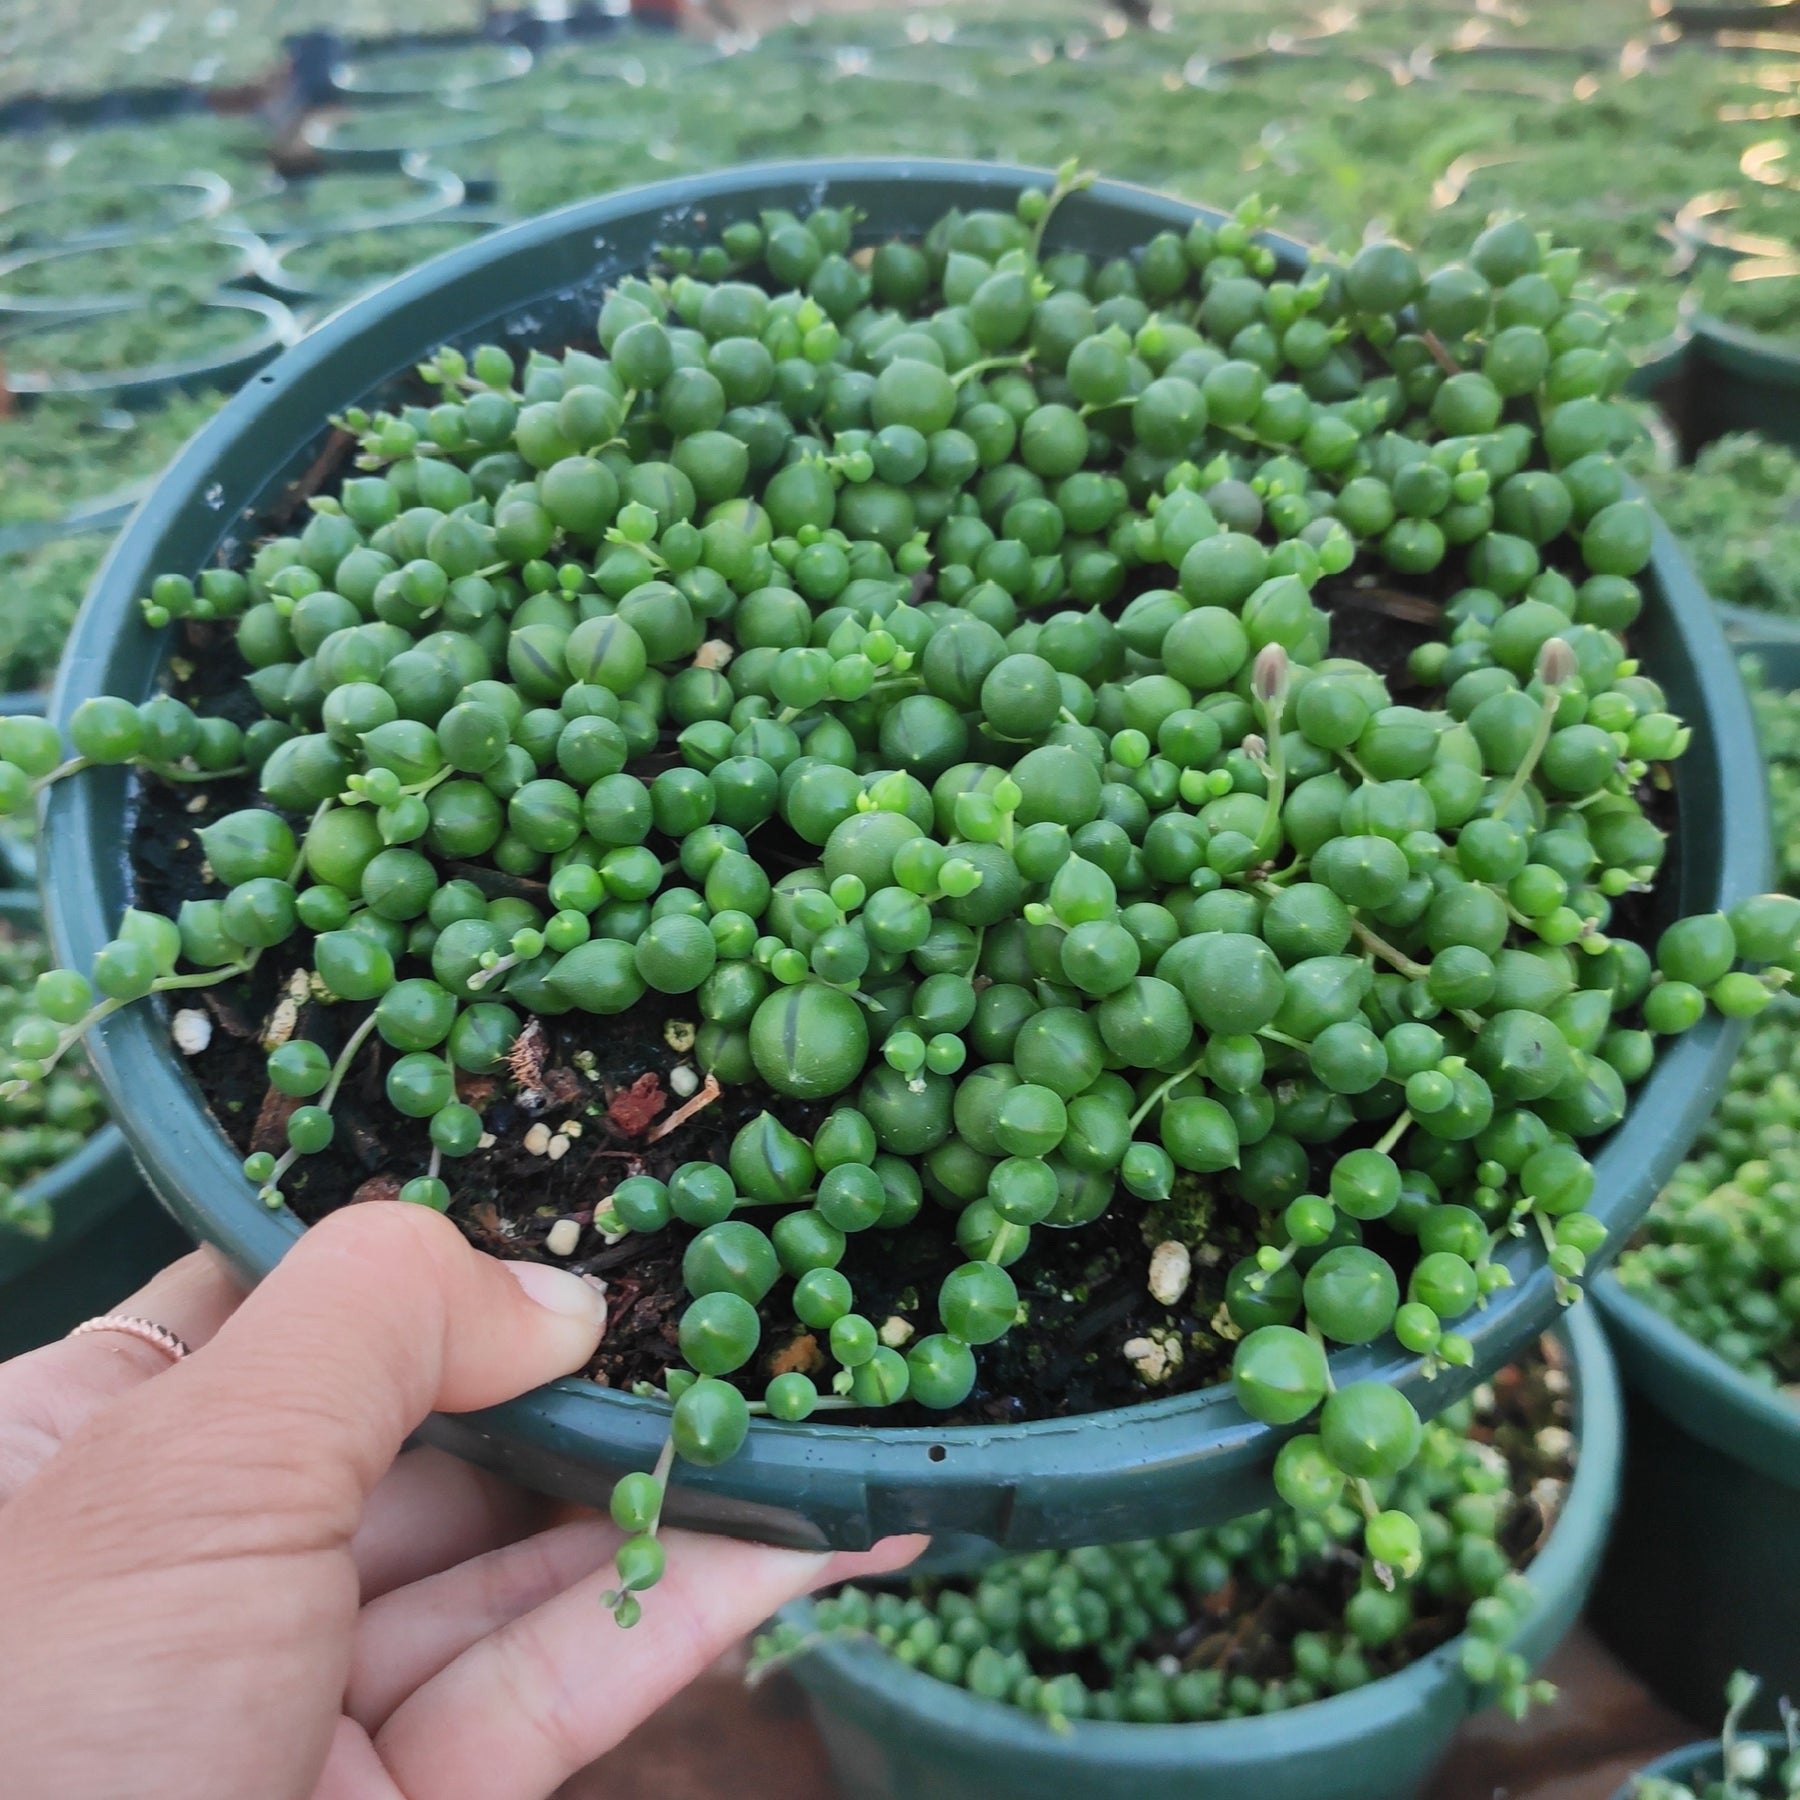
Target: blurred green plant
(1736,510)
(37,1129)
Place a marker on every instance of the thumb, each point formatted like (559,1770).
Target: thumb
(186,1552)
(379,1315)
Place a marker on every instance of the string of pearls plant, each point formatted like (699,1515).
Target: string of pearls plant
(914,654)
(1748,1769)
(1211,1624)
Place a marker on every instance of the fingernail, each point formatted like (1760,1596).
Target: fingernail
(561,1291)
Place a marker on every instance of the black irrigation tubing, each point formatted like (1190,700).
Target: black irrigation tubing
(311,56)
(321,51)
(148,105)
(1701,18)
(1590,56)
(117,106)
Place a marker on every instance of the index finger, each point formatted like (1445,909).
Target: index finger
(524,1709)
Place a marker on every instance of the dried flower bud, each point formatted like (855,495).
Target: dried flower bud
(1556,663)
(1269,675)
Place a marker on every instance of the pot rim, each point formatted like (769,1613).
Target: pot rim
(901,1477)
(1569,1557)
(1715,1403)
(1743,350)
(1754,633)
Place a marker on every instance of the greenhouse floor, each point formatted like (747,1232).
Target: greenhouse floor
(718,1738)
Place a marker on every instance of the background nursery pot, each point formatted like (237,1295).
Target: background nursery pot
(896,1734)
(1701,1577)
(103,1240)
(1697,1764)
(1703,1574)
(1718,377)
(1138,1471)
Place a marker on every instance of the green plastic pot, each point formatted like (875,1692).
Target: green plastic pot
(896,1734)
(1703,1576)
(1769,635)
(1659,369)
(1703,17)
(1135,1472)
(1718,378)
(126,387)
(1697,1764)
(1777,651)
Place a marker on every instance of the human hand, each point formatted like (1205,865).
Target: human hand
(218,1583)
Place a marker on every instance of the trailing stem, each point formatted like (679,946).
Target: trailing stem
(270,1191)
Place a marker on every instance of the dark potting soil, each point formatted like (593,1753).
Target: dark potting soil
(1525,1413)
(602,1089)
